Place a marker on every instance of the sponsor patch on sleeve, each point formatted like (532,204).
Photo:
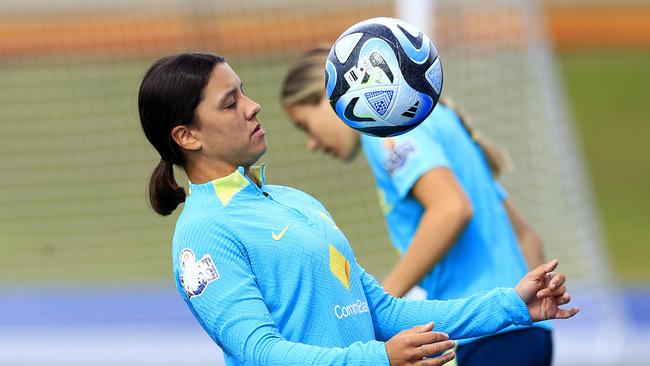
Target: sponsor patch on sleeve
(196,275)
(397,154)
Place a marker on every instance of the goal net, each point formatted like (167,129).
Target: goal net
(75,163)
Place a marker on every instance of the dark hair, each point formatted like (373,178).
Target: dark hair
(170,91)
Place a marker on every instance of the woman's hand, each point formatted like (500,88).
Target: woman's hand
(411,346)
(544,291)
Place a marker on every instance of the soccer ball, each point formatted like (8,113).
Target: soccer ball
(383,77)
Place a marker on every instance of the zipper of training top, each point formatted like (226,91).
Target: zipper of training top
(268,196)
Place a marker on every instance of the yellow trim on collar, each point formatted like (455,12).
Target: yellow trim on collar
(229,186)
(258,173)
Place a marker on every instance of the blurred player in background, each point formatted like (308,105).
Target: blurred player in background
(453,223)
(265,269)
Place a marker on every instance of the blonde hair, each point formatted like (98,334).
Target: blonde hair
(497,159)
(304,84)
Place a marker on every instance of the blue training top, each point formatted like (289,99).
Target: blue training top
(486,254)
(273,281)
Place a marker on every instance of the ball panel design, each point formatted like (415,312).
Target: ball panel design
(434,76)
(330,78)
(386,131)
(383,77)
(345,45)
(379,100)
(353,113)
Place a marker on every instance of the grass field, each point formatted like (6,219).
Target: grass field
(608,93)
(74,166)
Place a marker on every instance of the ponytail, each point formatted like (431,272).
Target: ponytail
(164,193)
(496,158)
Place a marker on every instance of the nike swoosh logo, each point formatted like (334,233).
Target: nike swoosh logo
(279,236)
(349,112)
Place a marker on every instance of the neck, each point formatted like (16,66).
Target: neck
(356,146)
(247,171)
(200,172)
(203,172)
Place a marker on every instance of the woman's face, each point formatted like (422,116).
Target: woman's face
(324,130)
(227,126)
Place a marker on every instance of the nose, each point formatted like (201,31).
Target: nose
(252,110)
(312,143)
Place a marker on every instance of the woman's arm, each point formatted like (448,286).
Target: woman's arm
(446,212)
(537,297)
(529,241)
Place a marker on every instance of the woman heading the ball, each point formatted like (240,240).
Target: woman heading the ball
(264,268)
(453,223)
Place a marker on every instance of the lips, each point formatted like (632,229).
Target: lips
(257,130)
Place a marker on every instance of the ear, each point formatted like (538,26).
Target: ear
(185,138)
(324,101)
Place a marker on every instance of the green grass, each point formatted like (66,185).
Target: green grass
(75,164)
(608,94)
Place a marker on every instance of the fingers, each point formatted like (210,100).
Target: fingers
(550,266)
(566,314)
(440,360)
(427,338)
(428,342)
(544,268)
(419,329)
(547,292)
(411,346)
(557,280)
(426,327)
(555,285)
(564,299)
(435,348)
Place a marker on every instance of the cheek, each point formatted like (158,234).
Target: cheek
(320,131)
(337,128)
(230,130)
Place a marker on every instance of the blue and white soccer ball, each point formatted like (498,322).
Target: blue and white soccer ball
(383,77)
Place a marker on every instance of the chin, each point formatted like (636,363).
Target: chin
(350,155)
(260,153)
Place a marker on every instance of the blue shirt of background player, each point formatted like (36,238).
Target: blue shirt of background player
(487,254)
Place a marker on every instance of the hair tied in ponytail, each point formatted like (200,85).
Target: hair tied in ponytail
(164,193)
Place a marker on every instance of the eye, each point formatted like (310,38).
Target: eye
(302,126)
(231,105)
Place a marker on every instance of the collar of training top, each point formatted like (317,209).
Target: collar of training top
(226,187)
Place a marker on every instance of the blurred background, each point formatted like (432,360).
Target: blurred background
(85,267)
